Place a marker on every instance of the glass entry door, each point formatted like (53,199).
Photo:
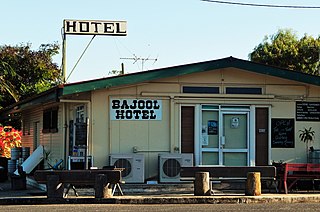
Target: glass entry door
(210,145)
(234,139)
(224,138)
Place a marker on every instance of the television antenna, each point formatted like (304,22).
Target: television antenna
(143,60)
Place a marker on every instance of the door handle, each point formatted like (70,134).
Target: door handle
(222,140)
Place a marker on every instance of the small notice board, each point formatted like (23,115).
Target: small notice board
(308,111)
(282,133)
(80,133)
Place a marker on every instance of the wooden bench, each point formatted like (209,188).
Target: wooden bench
(229,173)
(101,179)
(297,171)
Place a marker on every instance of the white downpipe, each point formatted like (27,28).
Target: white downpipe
(172,127)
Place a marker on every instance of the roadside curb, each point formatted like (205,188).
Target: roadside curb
(165,200)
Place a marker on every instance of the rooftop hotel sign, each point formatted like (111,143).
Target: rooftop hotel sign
(85,27)
(91,27)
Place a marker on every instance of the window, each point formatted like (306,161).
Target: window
(80,114)
(80,125)
(243,90)
(50,120)
(194,89)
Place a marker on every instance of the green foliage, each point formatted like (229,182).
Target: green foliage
(306,135)
(285,50)
(25,72)
(6,86)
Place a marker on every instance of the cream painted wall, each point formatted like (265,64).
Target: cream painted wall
(208,77)
(153,137)
(148,137)
(159,87)
(314,93)
(286,109)
(237,76)
(295,91)
(100,128)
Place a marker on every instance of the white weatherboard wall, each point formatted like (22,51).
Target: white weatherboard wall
(53,143)
(29,118)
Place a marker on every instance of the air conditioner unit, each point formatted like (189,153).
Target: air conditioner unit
(133,164)
(169,166)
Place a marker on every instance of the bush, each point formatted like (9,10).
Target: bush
(9,138)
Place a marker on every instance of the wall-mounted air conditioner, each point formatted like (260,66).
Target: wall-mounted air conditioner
(169,166)
(133,164)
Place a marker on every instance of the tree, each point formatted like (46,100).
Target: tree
(6,86)
(285,50)
(25,72)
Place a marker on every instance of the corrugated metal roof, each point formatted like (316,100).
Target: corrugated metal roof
(146,76)
(51,95)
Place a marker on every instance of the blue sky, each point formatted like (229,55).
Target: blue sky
(173,31)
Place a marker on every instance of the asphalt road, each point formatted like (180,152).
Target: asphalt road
(176,208)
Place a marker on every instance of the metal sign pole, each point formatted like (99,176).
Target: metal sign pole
(64,57)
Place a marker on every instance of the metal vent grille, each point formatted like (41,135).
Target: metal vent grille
(124,163)
(171,167)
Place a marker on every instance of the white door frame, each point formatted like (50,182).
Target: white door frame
(222,135)
(248,110)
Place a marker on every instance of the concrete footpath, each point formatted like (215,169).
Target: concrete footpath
(150,194)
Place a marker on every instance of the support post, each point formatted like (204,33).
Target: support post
(202,184)
(54,187)
(64,57)
(101,187)
(253,184)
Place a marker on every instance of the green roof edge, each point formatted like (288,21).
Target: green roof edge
(146,76)
(57,92)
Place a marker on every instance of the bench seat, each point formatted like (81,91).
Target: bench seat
(296,172)
(101,179)
(229,173)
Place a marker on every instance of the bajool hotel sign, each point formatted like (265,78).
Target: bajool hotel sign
(135,109)
(84,27)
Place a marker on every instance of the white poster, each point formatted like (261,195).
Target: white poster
(135,109)
(204,135)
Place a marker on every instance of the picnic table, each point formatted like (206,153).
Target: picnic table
(101,179)
(290,173)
